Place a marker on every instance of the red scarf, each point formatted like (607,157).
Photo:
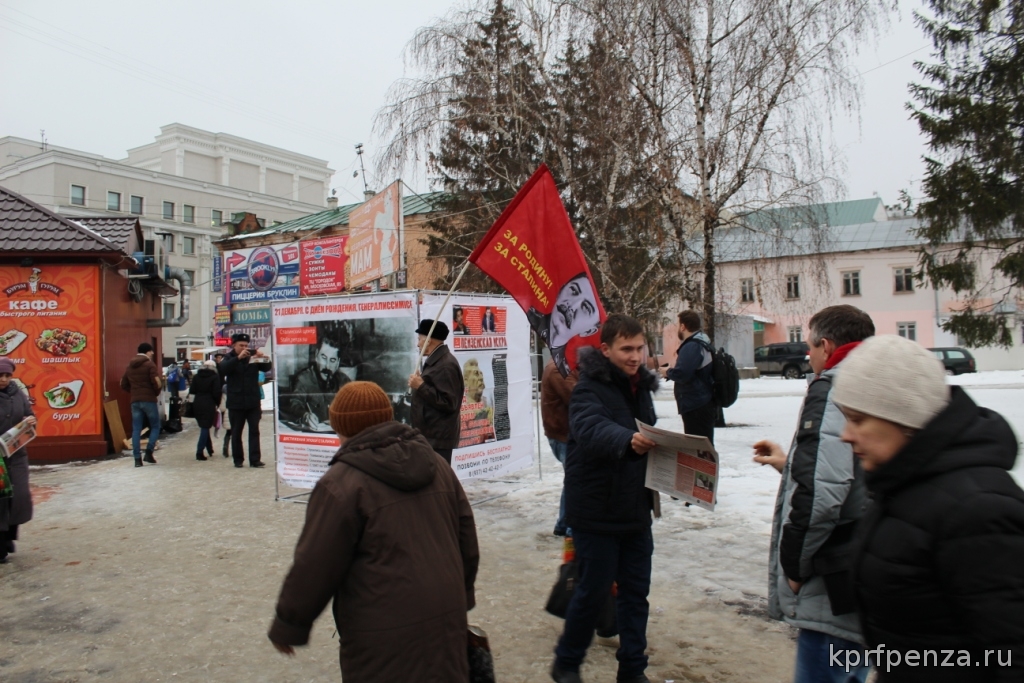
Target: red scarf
(839,354)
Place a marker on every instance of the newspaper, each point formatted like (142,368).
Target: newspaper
(681,465)
(15,438)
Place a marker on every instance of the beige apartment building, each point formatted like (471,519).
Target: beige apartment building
(184,187)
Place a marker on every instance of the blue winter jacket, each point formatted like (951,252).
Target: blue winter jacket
(692,374)
(604,477)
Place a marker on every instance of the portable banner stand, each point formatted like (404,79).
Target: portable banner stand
(498,424)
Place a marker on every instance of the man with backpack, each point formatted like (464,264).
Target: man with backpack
(693,376)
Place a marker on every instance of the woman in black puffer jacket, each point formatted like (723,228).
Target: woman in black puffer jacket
(939,575)
(206,388)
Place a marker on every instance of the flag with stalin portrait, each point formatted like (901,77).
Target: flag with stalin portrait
(532,251)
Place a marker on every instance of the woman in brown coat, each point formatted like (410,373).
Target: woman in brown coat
(390,536)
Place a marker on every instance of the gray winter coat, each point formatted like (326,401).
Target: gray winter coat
(14,407)
(821,498)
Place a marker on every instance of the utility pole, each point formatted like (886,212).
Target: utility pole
(362,171)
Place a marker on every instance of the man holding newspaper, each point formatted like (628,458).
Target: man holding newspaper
(15,415)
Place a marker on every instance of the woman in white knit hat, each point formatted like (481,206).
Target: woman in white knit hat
(940,565)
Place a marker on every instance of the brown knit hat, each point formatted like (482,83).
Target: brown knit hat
(358,406)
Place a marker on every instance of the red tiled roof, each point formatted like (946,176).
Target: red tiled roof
(28,227)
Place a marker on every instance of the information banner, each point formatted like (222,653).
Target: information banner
(491,340)
(269,273)
(50,329)
(221,314)
(319,346)
(250,316)
(323,265)
(259,335)
(374,237)
(218,272)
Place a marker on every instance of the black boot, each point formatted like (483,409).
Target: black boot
(138,462)
(149,457)
(227,442)
(200,456)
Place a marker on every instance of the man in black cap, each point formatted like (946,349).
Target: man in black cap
(437,390)
(241,369)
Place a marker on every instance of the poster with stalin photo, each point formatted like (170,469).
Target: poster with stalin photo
(490,338)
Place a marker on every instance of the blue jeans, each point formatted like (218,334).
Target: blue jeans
(205,442)
(559,449)
(602,561)
(144,410)
(813,652)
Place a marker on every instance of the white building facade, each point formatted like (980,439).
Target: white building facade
(184,187)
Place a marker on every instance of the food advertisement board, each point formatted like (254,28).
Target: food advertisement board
(50,328)
(375,239)
(323,265)
(269,273)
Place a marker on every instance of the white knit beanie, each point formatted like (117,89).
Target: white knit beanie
(892,378)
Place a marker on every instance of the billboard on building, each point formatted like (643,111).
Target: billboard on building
(323,265)
(50,328)
(268,273)
(375,240)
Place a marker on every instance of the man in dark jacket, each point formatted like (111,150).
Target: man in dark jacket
(938,576)
(437,391)
(241,369)
(142,380)
(693,378)
(390,536)
(820,501)
(606,503)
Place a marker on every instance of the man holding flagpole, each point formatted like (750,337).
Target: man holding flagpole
(437,390)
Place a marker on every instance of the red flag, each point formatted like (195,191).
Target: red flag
(532,251)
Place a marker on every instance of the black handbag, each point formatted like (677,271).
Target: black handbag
(189,409)
(478,649)
(561,595)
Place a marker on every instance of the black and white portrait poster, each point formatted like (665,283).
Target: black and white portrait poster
(491,340)
(319,346)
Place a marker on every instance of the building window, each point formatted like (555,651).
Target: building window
(907,330)
(792,286)
(796,334)
(188,213)
(168,242)
(168,211)
(137,205)
(191,277)
(904,279)
(168,311)
(851,283)
(217,218)
(113,201)
(747,290)
(188,245)
(78,195)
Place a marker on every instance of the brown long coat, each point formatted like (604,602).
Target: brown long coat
(390,536)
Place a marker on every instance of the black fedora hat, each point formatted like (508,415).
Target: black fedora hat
(440,329)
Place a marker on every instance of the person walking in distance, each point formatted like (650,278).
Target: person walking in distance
(142,380)
(241,370)
(606,503)
(693,378)
(820,502)
(390,536)
(205,392)
(555,392)
(437,391)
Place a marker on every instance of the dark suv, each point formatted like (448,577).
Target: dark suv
(789,359)
(955,360)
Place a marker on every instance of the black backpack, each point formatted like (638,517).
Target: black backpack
(726,387)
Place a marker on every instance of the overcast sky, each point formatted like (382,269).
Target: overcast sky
(308,76)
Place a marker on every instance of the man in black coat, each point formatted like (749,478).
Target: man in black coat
(241,369)
(437,391)
(607,505)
